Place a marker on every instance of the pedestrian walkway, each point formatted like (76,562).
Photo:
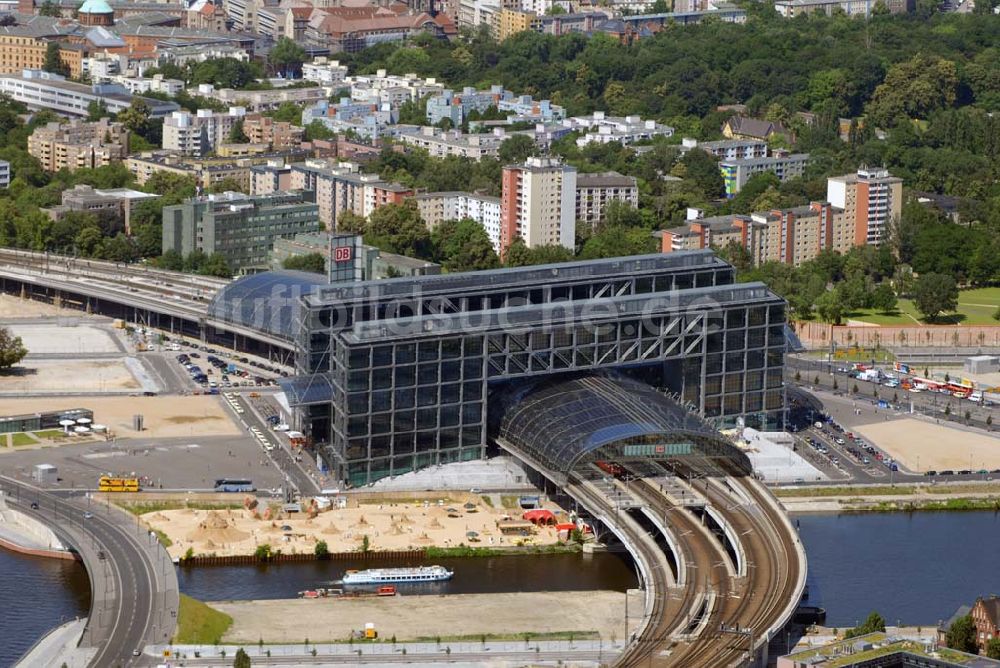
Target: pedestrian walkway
(59,647)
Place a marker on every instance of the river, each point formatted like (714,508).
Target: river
(474,575)
(917,568)
(36,595)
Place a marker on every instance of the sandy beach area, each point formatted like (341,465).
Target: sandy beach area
(922,446)
(163,417)
(416,617)
(388,526)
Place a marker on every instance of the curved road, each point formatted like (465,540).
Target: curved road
(134,587)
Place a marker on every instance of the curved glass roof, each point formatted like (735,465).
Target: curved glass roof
(267,302)
(560,423)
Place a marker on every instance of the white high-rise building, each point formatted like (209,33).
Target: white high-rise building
(199,133)
(538,204)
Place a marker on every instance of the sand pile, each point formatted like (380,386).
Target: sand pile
(331,529)
(218,529)
(435,524)
(405,519)
(424,539)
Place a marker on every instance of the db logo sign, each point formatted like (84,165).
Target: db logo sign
(342,254)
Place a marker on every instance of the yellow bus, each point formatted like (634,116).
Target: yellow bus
(110,484)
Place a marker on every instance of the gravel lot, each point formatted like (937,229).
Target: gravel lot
(413,617)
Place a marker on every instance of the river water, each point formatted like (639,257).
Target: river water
(476,575)
(37,595)
(917,568)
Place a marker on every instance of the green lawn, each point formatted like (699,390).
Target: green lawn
(22,438)
(198,624)
(975,307)
(51,433)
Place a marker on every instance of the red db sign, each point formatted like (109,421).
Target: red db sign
(342,254)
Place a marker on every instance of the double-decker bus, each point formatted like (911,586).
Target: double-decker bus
(111,484)
(234,485)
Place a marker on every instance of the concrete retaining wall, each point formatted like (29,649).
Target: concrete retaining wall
(23,533)
(818,335)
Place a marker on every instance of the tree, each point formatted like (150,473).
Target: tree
(312,262)
(318,130)
(53,62)
(286,57)
(463,245)
(242,659)
(136,117)
(703,169)
(216,265)
(12,349)
(914,89)
(993,648)
(365,544)
(962,635)
(263,552)
(236,134)
(934,294)
(49,8)
(321,550)
(398,228)
(873,623)
(884,298)
(829,308)
(516,149)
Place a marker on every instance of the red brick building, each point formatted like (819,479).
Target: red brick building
(986,616)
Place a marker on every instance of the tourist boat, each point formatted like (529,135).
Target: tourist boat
(374,576)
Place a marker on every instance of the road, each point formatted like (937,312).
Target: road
(135,588)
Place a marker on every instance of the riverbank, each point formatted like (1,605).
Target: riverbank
(542,615)
(21,533)
(890,498)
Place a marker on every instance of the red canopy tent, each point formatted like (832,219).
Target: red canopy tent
(540,516)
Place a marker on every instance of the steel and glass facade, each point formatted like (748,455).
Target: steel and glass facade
(400,374)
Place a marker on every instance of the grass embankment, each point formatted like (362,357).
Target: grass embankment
(889,490)
(143,507)
(199,624)
(164,538)
(469,551)
(944,504)
(527,637)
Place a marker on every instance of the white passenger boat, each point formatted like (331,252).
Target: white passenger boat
(397,575)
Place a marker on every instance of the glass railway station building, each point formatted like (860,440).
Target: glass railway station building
(401,374)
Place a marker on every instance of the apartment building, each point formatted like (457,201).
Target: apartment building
(207,172)
(272,177)
(727,149)
(791,8)
(240,227)
(603,129)
(441,143)
(438,207)
(341,187)
(111,204)
(4,174)
(21,50)
(274,134)
(201,132)
(595,191)
(78,144)
(382,87)
(154,84)
(790,236)
(368,119)
(44,90)
(456,107)
(514,21)
(260,100)
(538,204)
(784,165)
(329,73)
(871,197)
